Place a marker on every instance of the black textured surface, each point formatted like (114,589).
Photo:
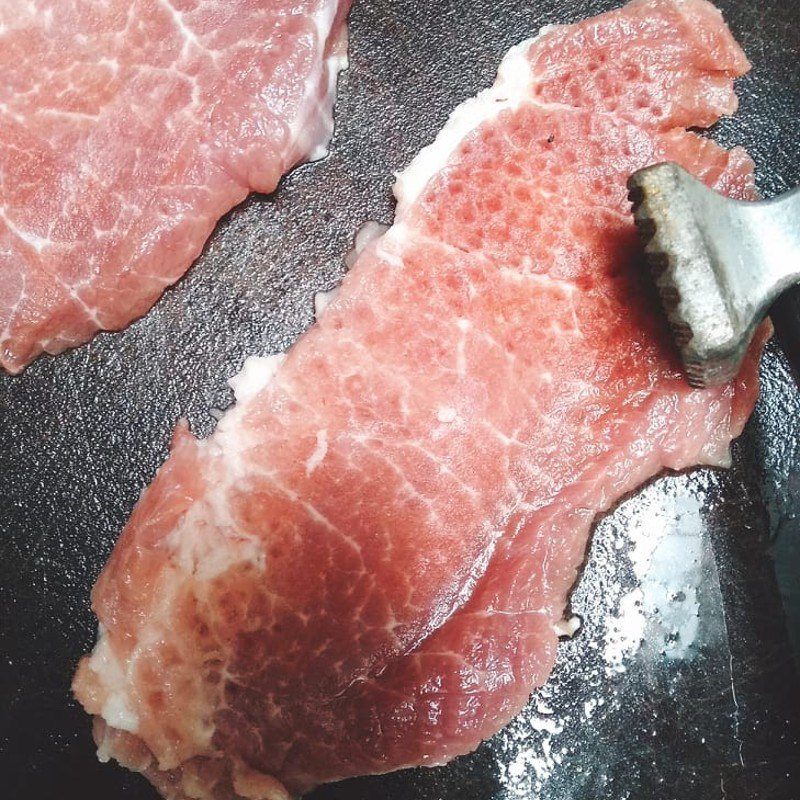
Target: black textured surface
(785,315)
(82,434)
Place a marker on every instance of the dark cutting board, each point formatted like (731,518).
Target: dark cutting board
(706,706)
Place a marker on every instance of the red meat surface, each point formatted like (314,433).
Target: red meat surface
(127,129)
(363,567)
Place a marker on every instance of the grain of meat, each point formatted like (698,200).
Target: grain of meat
(127,129)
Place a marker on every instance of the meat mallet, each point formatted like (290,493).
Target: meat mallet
(720,266)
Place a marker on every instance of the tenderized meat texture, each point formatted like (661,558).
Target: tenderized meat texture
(362,568)
(127,129)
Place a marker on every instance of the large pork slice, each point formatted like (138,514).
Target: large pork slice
(363,568)
(127,129)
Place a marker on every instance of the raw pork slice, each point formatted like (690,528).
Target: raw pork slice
(365,566)
(127,129)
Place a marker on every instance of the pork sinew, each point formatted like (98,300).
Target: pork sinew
(127,129)
(362,568)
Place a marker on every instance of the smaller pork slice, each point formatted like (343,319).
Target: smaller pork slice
(362,568)
(127,129)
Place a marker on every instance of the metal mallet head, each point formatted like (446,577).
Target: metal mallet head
(719,264)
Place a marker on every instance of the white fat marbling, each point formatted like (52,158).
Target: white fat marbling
(256,373)
(567,627)
(116,710)
(318,454)
(322,300)
(365,235)
(446,414)
(318,118)
(509,90)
